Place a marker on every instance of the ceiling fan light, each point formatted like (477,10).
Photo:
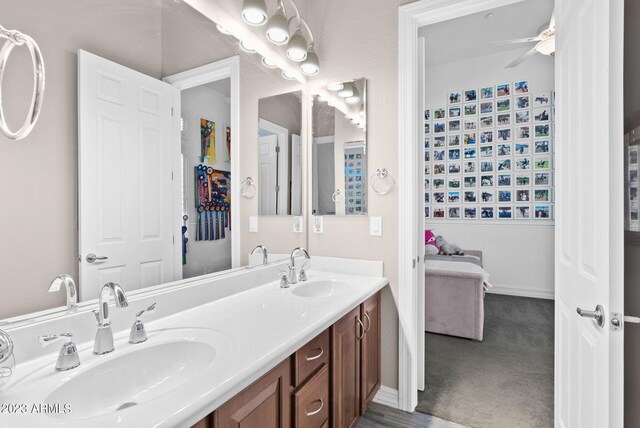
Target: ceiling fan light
(254,12)
(347,90)
(278,28)
(547,47)
(311,65)
(297,47)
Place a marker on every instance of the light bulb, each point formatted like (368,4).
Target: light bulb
(297,47)
(269,63)
(278,28)
(254,12)
(311,65)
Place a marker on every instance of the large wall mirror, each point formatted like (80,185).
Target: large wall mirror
(280,154)
(128,175)
(339,149)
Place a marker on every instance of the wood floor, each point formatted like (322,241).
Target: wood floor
(378,415)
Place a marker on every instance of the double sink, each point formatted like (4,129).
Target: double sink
(138,374)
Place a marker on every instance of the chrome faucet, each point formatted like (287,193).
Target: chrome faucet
(70,285)
(265,257)
(68,356)
(104,335)
(293,275)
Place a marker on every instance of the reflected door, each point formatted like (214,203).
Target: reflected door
(125,177)
(268,180)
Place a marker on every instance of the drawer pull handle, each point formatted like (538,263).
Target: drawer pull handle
(366,314)
(315,357)
(362,329)
(315,412)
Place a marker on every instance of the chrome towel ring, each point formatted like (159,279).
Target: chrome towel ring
(13,39)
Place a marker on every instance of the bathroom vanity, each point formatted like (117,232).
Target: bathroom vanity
(252,353)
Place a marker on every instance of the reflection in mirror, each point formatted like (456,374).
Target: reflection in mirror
(340,150)
(280,154)
(130,187)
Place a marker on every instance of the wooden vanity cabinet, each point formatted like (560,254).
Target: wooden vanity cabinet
(327,383)
(265,404)
(355,362)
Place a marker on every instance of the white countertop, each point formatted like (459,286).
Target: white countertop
(261,327)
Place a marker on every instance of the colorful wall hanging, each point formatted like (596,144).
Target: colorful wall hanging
(213,202)
(208,140)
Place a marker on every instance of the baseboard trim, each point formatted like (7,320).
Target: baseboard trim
(522,292)
(387,397)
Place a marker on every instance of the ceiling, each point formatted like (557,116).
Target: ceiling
(469,36)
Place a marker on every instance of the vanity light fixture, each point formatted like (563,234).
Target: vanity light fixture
(336,86)
(311,65)
(297,47)
(254,12)
(278,26)
(269,63)
(287,76)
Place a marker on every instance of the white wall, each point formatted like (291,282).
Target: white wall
(515,268)
(203,102)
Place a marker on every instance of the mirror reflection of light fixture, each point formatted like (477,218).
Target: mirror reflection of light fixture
(268,63)
(254,12)
(223,30)
(336,86)
(246,47)
(354,98)
(278,27)
(288,76)
(347,90)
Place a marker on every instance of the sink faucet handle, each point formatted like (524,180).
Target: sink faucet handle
(68,357)
(138,332)
(150,310)
(46,340)
(302,276)
(284,279)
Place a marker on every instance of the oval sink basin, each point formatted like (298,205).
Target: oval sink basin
(128,379)
(323,288)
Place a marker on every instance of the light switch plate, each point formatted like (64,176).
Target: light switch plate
(253,224)
(375,226)
(298,224)
(318,224)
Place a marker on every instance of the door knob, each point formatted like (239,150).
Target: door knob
(92,258)
(597,315)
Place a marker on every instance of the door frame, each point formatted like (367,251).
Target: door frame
(223,69)
(283,155)
(411,313)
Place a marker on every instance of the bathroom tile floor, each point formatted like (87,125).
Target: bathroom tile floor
(378,415)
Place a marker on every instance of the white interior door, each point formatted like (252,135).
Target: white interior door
(589,218)
(125,172)
(296,175)
(268,179)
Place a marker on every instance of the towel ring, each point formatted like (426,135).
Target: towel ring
(16,38)
(248,188)
(382,182)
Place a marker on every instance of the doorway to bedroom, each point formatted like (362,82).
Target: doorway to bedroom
(489,106)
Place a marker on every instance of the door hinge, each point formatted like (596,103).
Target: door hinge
(277,149)
(277,188)
(413,263)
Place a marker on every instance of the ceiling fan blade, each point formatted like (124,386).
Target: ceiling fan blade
(514,41)
(521,58)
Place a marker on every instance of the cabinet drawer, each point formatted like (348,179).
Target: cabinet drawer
(311,356)
(312,401)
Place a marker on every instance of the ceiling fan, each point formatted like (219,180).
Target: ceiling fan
(545,42)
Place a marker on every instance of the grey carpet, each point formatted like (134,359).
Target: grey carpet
(378,416)
(505,381)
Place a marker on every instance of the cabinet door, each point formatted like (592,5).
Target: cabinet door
(206,422)
(311,402)
(371,348)
(345,370)
(264,404)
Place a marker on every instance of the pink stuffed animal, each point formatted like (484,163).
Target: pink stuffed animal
(430,246)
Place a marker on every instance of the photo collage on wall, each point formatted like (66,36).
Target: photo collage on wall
(633,168)
(355,176)
(489,154)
